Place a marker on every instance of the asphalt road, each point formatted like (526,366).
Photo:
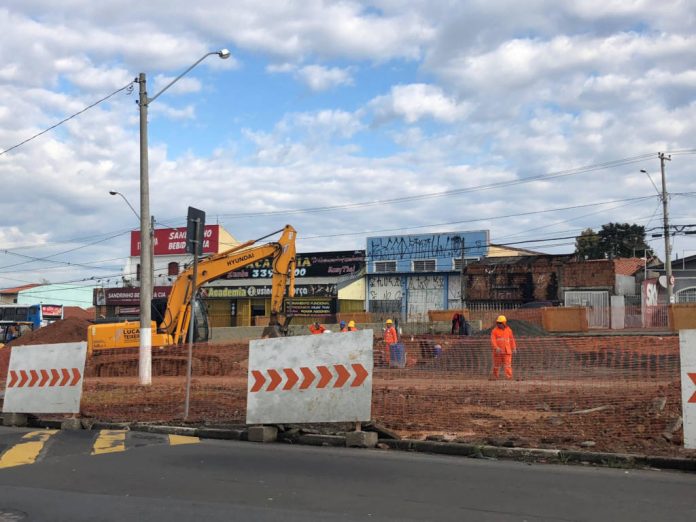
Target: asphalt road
(147,479)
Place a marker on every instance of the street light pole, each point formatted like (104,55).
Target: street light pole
(146,261)
(665,223)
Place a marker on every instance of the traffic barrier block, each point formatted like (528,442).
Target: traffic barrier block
(71,424)
(263,433)
(15,419)
(361,439)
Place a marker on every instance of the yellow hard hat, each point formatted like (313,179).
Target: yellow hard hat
(501,319)
(389,321)
(351,324)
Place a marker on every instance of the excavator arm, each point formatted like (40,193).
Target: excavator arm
(177,314)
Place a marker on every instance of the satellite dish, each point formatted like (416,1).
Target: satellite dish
(663,281)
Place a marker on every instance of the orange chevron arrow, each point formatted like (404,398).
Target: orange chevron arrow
(343,375)
(34,377)
(360,375)
(692,376)
(308,378)
(259,381)
(55,377)
(13,379)
(23,378)
(76,377)
(275,380)
(292,378)
(44,377)
(325,376)
(66,376)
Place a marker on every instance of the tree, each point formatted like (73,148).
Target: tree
(587,245)
(613,240)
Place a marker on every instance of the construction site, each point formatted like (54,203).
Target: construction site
(607,393)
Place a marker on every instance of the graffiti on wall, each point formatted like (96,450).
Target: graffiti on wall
(427,246)
(426,283)
(385,288)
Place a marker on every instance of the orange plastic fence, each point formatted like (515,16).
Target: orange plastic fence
(611,393)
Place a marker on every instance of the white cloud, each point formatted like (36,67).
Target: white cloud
(319,78)
(417,101)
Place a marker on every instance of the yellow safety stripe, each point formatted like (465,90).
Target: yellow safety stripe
(109,441)
(175,440)
(26,452)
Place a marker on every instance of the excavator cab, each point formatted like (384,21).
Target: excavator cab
(201,323)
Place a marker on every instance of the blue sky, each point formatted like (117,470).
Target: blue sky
(328,104)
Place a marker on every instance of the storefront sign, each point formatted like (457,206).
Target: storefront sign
(309,307)
(172,241)
(227,292)
(125,296)
(313,264)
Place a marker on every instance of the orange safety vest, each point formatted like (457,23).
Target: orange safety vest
(316,330)
(502,338)
(390,336)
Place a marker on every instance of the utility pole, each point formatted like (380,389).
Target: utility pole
(146,264)
(462,289)
(665,223)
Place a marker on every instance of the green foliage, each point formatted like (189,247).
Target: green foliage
(613,240)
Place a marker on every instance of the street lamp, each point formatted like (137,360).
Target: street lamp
(664,197)
(146,261)
(152,228)
(116,193)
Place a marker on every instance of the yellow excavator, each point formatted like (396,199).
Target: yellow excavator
(172,330)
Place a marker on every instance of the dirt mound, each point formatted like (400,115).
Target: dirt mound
(68,330)
(520,329)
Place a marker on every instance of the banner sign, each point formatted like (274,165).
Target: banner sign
(172,241)
(687,351)
(226,292)
(45,378)
(126,296)
(310,307)
(315,378)
(313,264)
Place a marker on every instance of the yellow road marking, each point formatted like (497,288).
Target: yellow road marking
(109,441)
(175,440)
(26,452)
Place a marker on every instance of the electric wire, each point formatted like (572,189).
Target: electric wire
(61,122)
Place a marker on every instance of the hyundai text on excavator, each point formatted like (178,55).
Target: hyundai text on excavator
(106,340)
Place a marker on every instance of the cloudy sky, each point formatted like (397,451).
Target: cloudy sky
(345,119)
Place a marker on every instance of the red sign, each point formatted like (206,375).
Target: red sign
(343,375)
(51,377)
(52,310)
(692,376)
(172,241)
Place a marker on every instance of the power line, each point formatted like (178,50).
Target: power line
(61,122)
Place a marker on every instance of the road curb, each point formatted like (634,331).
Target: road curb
(556,456)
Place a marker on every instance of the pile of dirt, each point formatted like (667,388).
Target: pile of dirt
(520,329)
(68,330)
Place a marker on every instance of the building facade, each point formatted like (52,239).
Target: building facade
(407,275)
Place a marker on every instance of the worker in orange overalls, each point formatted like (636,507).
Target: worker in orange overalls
(503,344)
(342,326)
(351,326)
(316,328)
(390,337)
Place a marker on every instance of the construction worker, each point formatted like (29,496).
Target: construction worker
(316,328)
(390,335)
(351,326)
(343,326)
(503,344)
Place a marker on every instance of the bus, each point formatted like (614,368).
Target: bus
(37,314)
